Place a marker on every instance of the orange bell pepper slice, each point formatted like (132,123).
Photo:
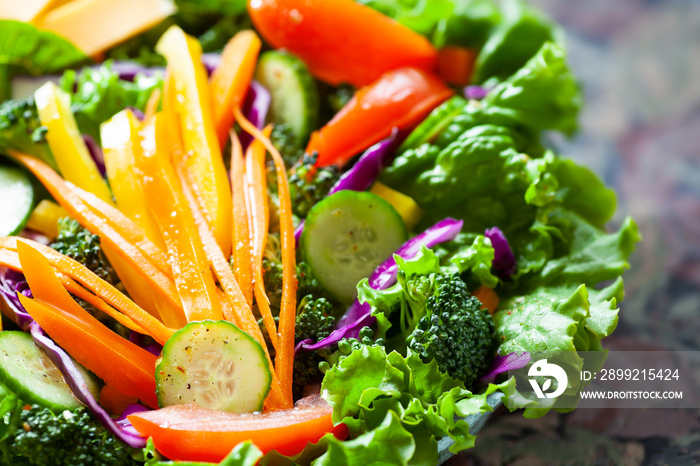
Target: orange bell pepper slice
(231,79)
(119,362)
(488,297)
(341,41)
(400,98)
(202,153)
(456,64)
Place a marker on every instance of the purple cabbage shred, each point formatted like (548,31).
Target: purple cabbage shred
(504,260)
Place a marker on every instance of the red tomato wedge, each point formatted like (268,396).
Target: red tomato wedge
(400,98)
(341,41)
(191,433)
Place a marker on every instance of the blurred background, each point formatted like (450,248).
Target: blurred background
(639,65)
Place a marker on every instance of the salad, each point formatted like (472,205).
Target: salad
(287,231)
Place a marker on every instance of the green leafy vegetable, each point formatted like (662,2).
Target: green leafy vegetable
(27,49)
(21,130)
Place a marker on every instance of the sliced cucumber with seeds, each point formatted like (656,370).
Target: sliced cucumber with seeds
(214,365)
(292,89)
(16,199)
(346,236)
(28,372)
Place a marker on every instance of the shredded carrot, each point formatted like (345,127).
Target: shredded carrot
(284,359)
(105,291)
(258,222)
(193,278)
(237,311)
(230,80)
(241,235)
(488,297)
(157,280)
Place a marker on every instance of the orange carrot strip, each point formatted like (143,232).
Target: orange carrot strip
(241,235)
(284,359)
(155,278)
(230,80)
(191,271)
(488,297)
(258,221)
(125,227)
(238,311)
(75,270)
(114,359)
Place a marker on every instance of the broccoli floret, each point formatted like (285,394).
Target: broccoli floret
(308,184)
(314,321)
(79,244)
(68,438)
(455,331)
(287,143)
(21,130)
(272,278)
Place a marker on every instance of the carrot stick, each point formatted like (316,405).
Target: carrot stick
(488,297)
(193,278)
(284,359)
(258,221)
(230,80)
(114,359)
(155,278)
(81,274)
(238,311)
(241,235)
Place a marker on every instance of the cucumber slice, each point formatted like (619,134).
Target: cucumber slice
(16,199)
(214,365)
(28,372)
(292,89)
(346,236)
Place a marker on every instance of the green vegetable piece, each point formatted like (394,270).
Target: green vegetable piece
(214,365)
(434,124)
(29,373)
(293,91)
(80,245)
(21,130)
(16,199)
(346,236)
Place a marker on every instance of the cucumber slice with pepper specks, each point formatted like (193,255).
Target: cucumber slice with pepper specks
(215,365)
(346,236)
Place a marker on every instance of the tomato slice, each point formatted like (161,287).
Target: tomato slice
(400,98)
(191,433)
(341,41)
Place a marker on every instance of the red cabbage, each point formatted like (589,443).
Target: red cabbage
(124,423)
(255,108)
(11,283)
(96,153)
(359,315)
(365,171)
(139,340)
(475,92)
(504,260)
(503,364)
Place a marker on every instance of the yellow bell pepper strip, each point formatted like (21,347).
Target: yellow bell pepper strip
(122,146)
(152,104)
(76,271)
(284,358)
(488,297)
(44,218)
(258,222)
(237,309)
(202,154)
(113,358)
(97,224)
(241,235)
(192,274)
(66,143)
(231,79)
(409,209)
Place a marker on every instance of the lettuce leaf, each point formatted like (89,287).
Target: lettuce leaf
(372,391)
(29,50)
